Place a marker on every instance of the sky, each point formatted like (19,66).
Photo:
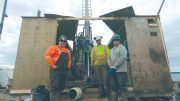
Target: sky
(170,20)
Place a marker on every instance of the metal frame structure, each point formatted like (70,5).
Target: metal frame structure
(3,16)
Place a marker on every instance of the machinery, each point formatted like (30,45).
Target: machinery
(82,46)
(148,68)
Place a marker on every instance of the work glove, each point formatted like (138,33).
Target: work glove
(112,72)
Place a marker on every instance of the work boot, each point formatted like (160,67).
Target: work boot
(102,96)
(108,92)
(102,92)
(52,97)
(114,96)
(124,96)
(55,96)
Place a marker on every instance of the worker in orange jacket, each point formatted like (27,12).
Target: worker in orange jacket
(59,60)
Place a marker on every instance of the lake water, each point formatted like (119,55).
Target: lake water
(175,76)
(5,75)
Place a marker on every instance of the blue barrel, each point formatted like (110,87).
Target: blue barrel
(40,94)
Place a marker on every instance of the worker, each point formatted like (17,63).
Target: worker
(59,60)
(117,68)
(99,56)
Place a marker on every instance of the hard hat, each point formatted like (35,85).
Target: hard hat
(63,38)
(98,37)
(116,37)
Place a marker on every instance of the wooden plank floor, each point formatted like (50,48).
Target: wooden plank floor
(90,94)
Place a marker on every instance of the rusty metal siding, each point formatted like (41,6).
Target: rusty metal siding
(150,73)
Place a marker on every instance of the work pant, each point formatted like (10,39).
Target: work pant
(58,80)
(101,78)
(118,84)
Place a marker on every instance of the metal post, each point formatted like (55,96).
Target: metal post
(2,18)
(159,10)
(39,13)
(88,65)
(87,13)
(86,6)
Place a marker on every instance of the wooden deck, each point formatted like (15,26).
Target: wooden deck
(90,94)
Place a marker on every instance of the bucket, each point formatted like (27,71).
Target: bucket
(40,94)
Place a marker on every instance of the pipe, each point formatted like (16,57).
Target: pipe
(39,13)
(75,93)
(88,66)
(160,7)
(159,10)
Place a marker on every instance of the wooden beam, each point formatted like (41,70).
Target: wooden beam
(27,91)
(92,18)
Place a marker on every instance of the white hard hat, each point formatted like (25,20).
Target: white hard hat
(98,37)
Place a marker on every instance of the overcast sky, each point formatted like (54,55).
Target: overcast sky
(170,19)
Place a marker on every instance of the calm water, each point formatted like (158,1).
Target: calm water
(5,74)
(175,76)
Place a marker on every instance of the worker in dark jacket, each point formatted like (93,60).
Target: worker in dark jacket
(117,68)
(59,59)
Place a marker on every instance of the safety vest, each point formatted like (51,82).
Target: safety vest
(99,56)
(52,54)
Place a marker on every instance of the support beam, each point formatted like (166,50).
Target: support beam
(93,18)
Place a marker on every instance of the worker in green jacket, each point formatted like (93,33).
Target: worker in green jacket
(117,68)
(99,56)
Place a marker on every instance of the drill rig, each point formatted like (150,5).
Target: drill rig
(82,46)
(83,43)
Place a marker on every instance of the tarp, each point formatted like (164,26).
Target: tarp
(117,26)
(65,27)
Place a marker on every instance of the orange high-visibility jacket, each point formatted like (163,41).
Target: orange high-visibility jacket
(53,53)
